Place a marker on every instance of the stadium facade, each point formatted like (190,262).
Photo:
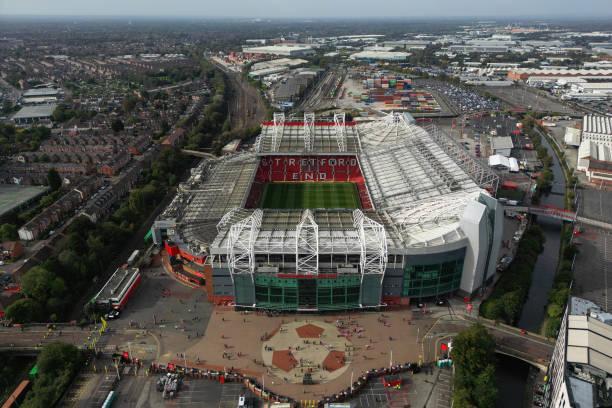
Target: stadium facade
(427,225)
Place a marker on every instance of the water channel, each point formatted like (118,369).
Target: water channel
(511,374)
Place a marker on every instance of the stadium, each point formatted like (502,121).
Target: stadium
(332,215)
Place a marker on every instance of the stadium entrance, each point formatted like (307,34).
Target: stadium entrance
(307,294)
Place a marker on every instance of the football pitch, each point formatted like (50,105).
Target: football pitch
(309,195)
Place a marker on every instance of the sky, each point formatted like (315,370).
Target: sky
(313,8)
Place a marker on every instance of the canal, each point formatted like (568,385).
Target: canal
(544,271)
(511,374)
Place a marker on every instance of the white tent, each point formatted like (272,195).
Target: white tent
(514,166)
(497,160)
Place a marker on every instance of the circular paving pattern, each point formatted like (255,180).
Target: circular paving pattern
(300,348)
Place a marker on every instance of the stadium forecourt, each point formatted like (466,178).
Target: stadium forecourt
(426,227)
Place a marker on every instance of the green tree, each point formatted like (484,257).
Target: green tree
(57,365)
(54,179)
(40,284)
(485,392)
(462,399)
(24,310)
(8,232)
(512,305)
(554,310)
(473,352)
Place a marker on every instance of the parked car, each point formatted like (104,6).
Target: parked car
(113,314)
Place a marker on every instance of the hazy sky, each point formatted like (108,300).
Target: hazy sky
(313,8)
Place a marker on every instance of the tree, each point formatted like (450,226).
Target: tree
(57,365)
(117,125)
(40,284)
(54,179)
(24,310)
(485,392)
(512,305)
(473,351)
(8,232)
(461,399)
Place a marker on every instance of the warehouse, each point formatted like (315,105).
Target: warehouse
(289,50)
(377,55)
(502,145)
(34,113)
(597,128)
(595,159)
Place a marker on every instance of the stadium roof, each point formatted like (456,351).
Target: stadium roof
(419,180)
(305,135)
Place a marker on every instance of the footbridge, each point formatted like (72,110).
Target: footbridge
(558,213)
(198,153)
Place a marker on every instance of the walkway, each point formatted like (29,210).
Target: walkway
(558,213)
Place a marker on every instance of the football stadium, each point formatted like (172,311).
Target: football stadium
(325,214)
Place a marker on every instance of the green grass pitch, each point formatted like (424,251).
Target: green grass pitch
(310,195)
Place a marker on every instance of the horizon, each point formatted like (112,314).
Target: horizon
(314,10)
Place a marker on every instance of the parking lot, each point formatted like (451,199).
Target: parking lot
(593,266)
(141,392)
(464,100)
(595,204)
(418,390)
(533,99)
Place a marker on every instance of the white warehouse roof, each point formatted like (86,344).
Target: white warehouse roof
(381,55)
(572,136)
(597,124)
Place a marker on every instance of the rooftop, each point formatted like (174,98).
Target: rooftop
(597,124)
(501,142)
(35,111)
(116,285)
(14,195)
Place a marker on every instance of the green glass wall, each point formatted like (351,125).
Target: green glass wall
(432,279)
(338,293)
(243,290)
(370,290)
(321,294)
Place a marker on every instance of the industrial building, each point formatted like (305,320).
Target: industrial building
(581,366)
(597,128)
(290,50)
(595,160)
(49,93)
(34,113)
(595,151)
(379,55)
(275,66)
(478,48)
(427,225)
(502,145)
(523,74)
